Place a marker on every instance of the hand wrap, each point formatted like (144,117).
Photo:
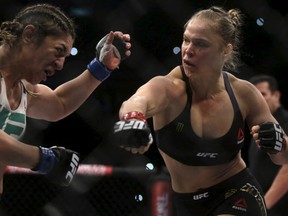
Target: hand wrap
(118,46)
(271,138)
(98,70)
(133,131)
(59,164)
(96,67)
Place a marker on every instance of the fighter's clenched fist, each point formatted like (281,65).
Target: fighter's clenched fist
(269,137)
(133,133)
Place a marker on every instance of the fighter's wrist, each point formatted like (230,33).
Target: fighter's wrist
(284,142)
(134,115)
(46,162)
(98,70)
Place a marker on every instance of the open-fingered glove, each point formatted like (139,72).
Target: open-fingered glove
(133,131)
(118,46)
(106,52)
(271,138)
(58,164)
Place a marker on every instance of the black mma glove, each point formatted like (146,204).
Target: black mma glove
(271,138)
(118,46)
(96,66)
(133,131)
(59,164)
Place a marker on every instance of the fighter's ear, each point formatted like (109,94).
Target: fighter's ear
(28,33)
(228,49)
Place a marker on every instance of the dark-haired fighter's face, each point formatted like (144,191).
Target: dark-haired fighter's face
(45,59)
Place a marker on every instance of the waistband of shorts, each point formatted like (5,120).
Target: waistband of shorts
(237,181)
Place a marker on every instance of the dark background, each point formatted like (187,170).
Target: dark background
(156,27)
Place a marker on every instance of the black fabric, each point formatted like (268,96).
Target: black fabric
(239,195)
(178,140)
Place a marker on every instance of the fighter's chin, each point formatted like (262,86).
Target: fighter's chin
(188,69)
(45,77)
(39,81)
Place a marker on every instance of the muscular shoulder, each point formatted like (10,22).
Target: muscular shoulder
(35,93)
(170,83)
(176,81)
(175,73)
(249,98)
(243,88)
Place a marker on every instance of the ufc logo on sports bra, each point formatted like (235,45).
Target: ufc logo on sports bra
(207,155)
(200,196)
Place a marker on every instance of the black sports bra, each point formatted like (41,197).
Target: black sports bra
(178,140)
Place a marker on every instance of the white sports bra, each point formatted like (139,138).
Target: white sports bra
(13,122)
